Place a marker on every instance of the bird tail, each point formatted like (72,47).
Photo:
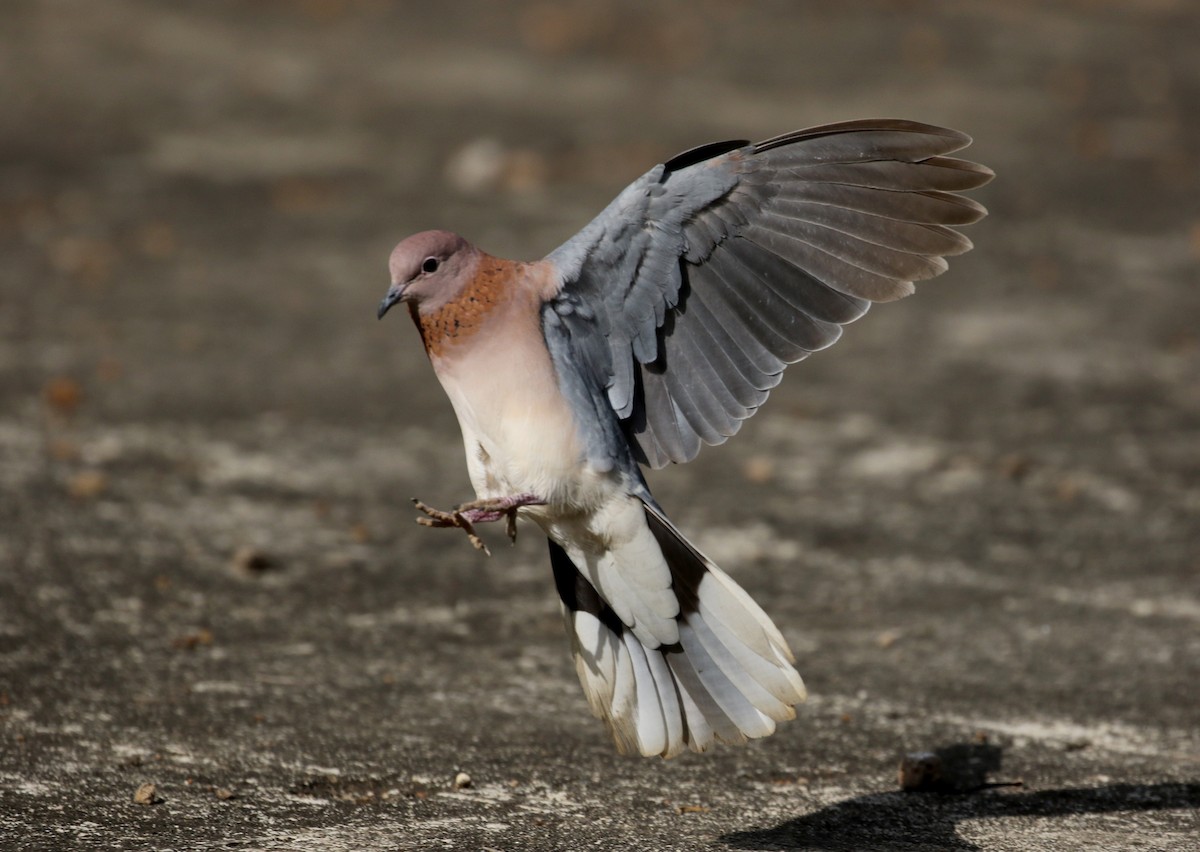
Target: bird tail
(729,678)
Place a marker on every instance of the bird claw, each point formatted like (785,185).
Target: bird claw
(479,512)
(441,520)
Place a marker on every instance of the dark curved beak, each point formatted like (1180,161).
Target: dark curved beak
(395,294)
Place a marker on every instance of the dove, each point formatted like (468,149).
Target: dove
(659,328)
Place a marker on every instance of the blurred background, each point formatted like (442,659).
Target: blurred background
(976,519)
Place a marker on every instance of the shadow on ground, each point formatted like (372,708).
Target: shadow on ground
(887,821)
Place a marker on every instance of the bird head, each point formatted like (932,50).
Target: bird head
(428,269)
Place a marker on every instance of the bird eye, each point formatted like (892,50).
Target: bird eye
(430,265)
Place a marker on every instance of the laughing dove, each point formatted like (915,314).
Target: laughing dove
(659,327)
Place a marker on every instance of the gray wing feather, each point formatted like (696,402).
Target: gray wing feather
(683,301)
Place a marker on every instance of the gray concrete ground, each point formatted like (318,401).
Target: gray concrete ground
(976,519)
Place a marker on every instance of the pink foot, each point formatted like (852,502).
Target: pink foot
(479,512)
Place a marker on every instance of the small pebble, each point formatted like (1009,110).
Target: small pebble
(477,166)
(920,770)
(87,484)
(462,781)
(759,469)
(63,395)
(251,560)
(191,641)
(887,638)
(147,794)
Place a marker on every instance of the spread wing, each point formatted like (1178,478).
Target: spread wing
(688,295)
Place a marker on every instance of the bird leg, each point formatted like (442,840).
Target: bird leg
(495,508)
(466,515)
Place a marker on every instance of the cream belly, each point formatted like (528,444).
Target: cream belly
(519,434)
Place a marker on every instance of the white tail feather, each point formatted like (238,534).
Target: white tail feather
(618,554)
(727,678)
